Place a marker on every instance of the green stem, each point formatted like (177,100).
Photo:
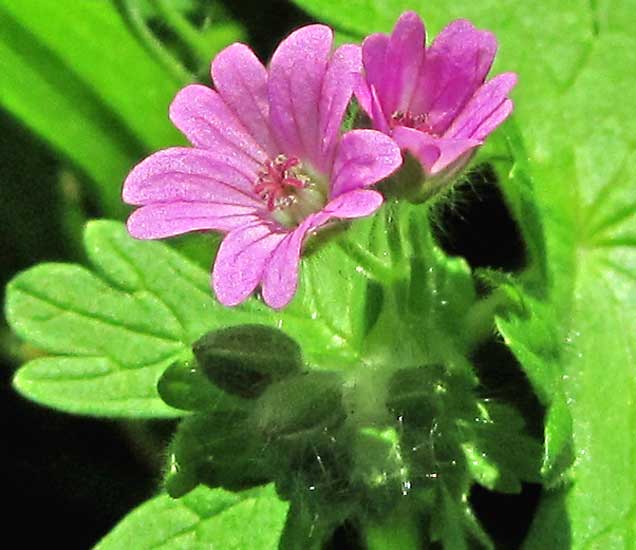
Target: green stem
(400,529)
(370,265)
(188,34)
(154,45)
(480,318)
(394,234)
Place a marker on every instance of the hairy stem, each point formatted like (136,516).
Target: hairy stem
(368,263)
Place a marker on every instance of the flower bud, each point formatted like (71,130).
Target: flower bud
(244,360)
(301,404)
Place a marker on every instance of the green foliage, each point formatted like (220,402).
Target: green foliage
(403,421)
(384,404)
(112,332)
(574,111)
(203,519)
(76,74)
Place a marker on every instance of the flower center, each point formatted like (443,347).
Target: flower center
(408,119)
(290,192)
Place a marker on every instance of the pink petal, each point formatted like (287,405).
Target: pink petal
(342,73)
(241,259)
(402,63)
(494,120)
(363,93)
(456,65)
(241,79)
(363,157)
(202,115)
(486,110)
(367,97)
(280,279)
(379,118)
(353,204)
(189,174)
(157,221)
(435,154)
(373,58)
(296,76)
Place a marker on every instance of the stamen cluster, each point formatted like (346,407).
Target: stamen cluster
(409,120)
(277,181)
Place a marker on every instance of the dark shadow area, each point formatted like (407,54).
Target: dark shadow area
(29,177)
(494,513)
(476,224)
(266,22)
(346,537)
(501,378)
(66,480)
(69,478)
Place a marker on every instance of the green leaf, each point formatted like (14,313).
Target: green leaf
(184,386)
(498,452)
(454,525)
(584,164)
(586,194)
(114,330)
(203,519)
(111,336)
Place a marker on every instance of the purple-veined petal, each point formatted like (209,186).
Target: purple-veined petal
(202,115)
(456,65)
(241,79)
(343,70)
(435,154)
(363,157)
(241,259)
(296,76)
(157,221)
(402,64)
(189,174)
(280,278)
(488,108)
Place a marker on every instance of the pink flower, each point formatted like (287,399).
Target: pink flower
(268,164)
(433,101)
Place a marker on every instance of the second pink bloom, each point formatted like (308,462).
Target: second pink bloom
(434,101)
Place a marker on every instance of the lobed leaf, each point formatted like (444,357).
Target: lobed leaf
(204,518)
(113,330)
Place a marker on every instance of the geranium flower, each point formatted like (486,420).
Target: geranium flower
(433,101)
(268,164)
